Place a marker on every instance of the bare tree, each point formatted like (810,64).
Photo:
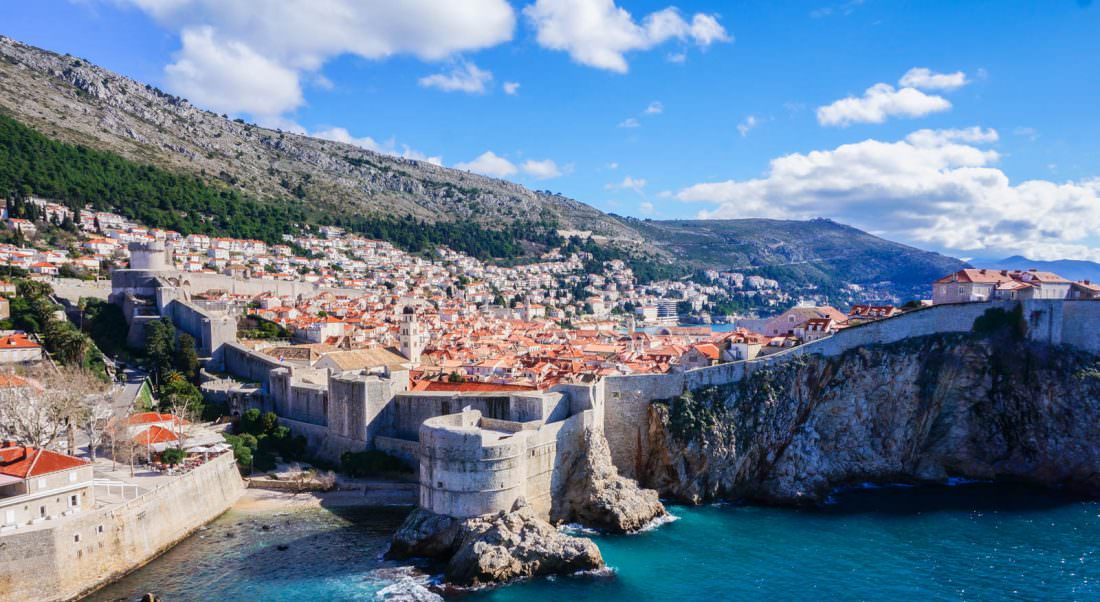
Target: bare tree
(95,416)
(39,407)
(123,448)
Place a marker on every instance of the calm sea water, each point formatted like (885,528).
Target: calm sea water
(974,542)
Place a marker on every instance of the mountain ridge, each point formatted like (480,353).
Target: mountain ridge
(72,100)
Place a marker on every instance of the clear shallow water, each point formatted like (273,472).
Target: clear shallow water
(975,542)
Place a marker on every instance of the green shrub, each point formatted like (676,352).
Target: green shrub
(372,463)
(173,455)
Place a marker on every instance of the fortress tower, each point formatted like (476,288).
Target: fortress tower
(150,256)
(412,341)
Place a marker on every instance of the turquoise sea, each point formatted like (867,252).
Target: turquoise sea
(969,542)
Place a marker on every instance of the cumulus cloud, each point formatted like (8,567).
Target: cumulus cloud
(926,79)
(628,183)
(489,164)
(597,33)
(295,37)
(511,88)
(879,102)
(655,108)
(228,76)
(646,208)
(389,147)
(629,122)
(935,188)
(747,124)
(882,100)
(542,170)
(464,77)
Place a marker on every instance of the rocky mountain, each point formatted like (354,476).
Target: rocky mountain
(816,252)
(70,99)
(923,409)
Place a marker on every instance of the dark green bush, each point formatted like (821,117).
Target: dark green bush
(372,463)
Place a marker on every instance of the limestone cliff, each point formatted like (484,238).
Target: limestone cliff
(595,495)
(495,548)
(922,409)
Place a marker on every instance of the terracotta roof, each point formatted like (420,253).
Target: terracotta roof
(17,341)
(154,434)
(18,462)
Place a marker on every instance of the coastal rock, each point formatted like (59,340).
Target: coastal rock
(923,409)
(495,548)
(596,495)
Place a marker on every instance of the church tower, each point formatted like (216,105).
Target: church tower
(412,341)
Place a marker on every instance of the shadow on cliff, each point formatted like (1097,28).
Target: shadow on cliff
(907,500)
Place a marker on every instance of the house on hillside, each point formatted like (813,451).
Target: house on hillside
(38,485)
(17,348)
(976,284)
(787,322)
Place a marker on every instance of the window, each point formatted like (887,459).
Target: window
(9,517)
(76,538)
(74,501)
(42,511)
(41,484)
(99,529)
(72,477)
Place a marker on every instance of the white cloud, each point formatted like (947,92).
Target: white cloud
(227,76)
(463,77)
(654,108)
(598,34)
(882,100)
(511,88)
(628,183)
(489,164)
(543,170)
(936,188)
(613,165)
(676,57)
(629,122)
(879,102)
(747,124)
(256,57)
(926,79)
(646,208)
(389,147)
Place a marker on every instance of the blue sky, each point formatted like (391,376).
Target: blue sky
(653,109)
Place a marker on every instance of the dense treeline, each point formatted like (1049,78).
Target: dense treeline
(416,236)
(32,164)
(646,270)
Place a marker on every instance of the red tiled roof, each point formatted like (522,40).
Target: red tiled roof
(17,341)
(154,434)
(18,462)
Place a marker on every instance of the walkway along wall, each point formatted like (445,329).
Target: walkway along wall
(89,550)
(1075,323)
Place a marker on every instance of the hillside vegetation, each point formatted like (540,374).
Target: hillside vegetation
(816,253)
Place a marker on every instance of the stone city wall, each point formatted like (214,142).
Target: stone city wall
(628,397)
(88,550)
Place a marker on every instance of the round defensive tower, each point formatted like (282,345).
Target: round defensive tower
(151,256)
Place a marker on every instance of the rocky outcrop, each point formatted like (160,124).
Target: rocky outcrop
(920,410)
(496,548)
(596,495)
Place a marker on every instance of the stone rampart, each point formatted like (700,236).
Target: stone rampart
(88,550)
(469,469)
(627,398)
